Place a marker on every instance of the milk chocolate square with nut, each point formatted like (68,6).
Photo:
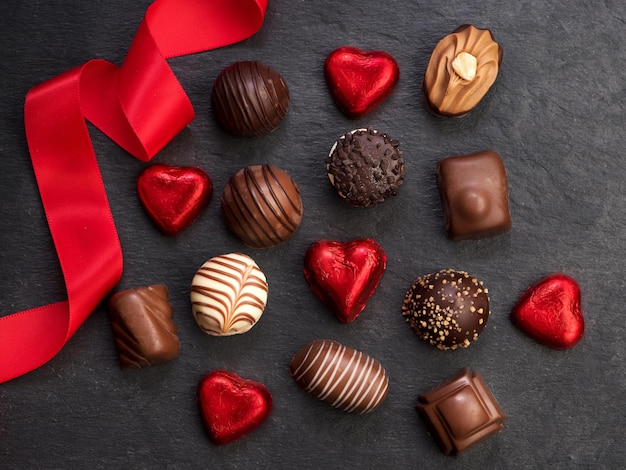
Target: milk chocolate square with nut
(475,197)
(460,412)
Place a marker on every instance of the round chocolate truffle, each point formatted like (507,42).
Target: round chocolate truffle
(449,309)
(366,167)
(249,99)
(261,204)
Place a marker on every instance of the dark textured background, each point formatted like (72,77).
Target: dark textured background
(556,115)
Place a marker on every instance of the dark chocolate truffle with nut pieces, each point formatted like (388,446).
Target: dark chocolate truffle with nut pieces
(249,99)
(366,167)
(449,309)
(261,205)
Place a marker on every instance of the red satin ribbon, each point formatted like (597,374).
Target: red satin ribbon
(141,106)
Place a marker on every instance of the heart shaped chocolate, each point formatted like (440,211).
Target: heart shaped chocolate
(549,312)
(360,80)
(231,406)
(344,275)
(174,196)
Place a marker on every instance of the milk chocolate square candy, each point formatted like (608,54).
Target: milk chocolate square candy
(145,333)
(474,194)
(460,411)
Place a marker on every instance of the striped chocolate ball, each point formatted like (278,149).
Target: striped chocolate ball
(228,295)
(249,99)
(340,376)
(449,308)
(262,206)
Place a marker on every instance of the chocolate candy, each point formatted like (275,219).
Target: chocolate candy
(462,68)
(145,333)
(460,412)
(448,309)
(341,376)
(228,295)
(365,167)
(261,204)
(475,195)
(249,99)
(549,311)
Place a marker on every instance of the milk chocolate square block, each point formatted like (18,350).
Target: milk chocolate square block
(145,333)
(475,197)
(460,412)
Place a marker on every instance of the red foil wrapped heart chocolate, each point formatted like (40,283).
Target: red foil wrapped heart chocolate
(549,311)
(174,196)
(231,406)
(360,80)
(344,275)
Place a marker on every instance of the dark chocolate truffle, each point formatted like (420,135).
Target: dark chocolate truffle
(462,68)
(145,333)
(460,412)
(366,167)
(261,204)
(449,309)
(249,99)
(475,195)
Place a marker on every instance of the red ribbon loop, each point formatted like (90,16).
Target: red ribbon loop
(141,106)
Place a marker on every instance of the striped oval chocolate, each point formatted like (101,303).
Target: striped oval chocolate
(261,204)
(341,376)
(228,295)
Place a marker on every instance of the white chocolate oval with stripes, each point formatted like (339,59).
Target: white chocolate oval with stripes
(341,376)
(228,295)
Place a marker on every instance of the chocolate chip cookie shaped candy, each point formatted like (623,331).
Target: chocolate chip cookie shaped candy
(366,167)
(462,68)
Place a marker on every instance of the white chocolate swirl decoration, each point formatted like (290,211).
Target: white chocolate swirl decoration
(340,376)
(228,295)
(447,92)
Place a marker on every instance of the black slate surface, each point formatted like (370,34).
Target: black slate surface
(556,115)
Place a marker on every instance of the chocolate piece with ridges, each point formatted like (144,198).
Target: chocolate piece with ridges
(462,68)
(249,99)
(475,195)
(228,295)
(145,333)
(449,309)
(261,204)
(460,412)
(366,167)
(340,376)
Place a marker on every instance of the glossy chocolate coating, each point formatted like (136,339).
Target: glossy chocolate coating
(445,92)
(475,196)
(365,167)
(460,411)
(228,295)
(449,309)
(145,333)
(249,99)
(261,204)
(340,376)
